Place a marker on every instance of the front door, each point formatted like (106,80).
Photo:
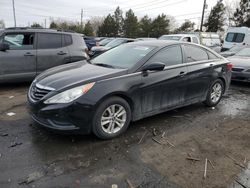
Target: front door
(164,89)
(19,62)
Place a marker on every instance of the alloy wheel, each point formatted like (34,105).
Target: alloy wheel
(216,92)
(113,118)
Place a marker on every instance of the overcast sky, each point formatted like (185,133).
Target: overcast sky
(29,11)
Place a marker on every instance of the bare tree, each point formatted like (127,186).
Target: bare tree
(229,11)
(96,22)
(172,23)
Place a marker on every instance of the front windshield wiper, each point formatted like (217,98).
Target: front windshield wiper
(104,65)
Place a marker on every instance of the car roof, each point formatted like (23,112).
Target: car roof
(163,43)
(181,35)
(157,43)
(39,30)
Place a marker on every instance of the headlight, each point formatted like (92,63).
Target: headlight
(70,95)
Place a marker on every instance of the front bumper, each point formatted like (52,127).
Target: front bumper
(241,76)
(73,118)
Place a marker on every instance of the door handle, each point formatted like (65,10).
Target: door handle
(61,53)
(182,73)
(29,54)
(211,65)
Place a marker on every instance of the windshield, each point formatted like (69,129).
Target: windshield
(105,41)
(176,38)
(115,43)
(244,52)
(125,56)
(235,37)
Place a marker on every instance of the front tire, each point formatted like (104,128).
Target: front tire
(215,93)
(112,118)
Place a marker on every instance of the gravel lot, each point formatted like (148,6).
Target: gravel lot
(154,152)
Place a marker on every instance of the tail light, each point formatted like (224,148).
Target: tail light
(229,66)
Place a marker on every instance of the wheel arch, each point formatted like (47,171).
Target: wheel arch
(122,95)
(224,83)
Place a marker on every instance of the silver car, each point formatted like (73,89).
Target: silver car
(25,52)
(241,63)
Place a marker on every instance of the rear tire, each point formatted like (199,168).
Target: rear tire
(112,118)
(215,93)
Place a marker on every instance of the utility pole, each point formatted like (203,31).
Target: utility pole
(81,17)
(14,12)
(203,12)
(45,23)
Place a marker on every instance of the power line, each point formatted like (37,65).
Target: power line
(171,4)
(146,4)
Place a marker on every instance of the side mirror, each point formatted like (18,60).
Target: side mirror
(4,47)
(157,66)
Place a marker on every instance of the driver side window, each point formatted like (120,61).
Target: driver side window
(169,56)
(19,41)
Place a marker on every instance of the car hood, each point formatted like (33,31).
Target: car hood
(76,74)
(227,54)
(239,61)
(99,48)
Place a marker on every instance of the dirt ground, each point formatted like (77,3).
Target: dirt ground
(153,153)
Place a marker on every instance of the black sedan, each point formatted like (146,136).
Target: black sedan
(125,84)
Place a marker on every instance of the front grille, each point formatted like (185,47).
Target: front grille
(37,92)
(237,69)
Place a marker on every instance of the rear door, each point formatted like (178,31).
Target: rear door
(51,51)
(165,89)
(200,70)
(19,62)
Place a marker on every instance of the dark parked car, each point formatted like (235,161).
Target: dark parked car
(125,84)
(241,63)
(104,42)
(25,53)
(90,42)
(232,51)
(97,50)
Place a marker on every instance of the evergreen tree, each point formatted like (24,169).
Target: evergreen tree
(145,26)
(36,25)
(160,26)
(242,14)
(53,25)
(107,28)
(187,26)
(131,26)
(216,18)
(88,30)
(119,21)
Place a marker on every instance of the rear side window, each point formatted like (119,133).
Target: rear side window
(211,55)
(195,40)
(49,41)
(68,40)
(194,53)
(235,37)
(169,56)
